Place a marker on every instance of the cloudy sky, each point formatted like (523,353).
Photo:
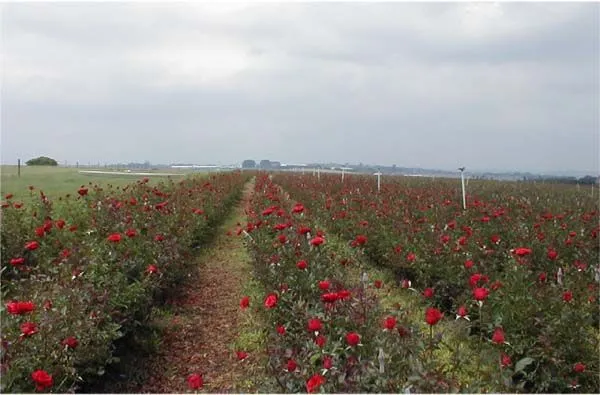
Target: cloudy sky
(492,86)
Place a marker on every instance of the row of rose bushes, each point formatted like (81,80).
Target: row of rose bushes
(327,330)
(85,270)
(521,258)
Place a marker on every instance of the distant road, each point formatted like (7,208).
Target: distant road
(127,173)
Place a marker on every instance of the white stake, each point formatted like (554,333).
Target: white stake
(319,174)
(378,174)
(462,182)
(342,174)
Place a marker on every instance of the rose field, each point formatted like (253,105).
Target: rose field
(281,282)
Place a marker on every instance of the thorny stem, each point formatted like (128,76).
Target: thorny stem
(480,337)
(430,343)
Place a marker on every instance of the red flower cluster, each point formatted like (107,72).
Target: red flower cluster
(19,308)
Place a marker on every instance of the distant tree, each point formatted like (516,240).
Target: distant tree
(248,164)
(265,164)
(42,161)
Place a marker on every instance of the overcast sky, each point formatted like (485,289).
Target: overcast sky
(492,86)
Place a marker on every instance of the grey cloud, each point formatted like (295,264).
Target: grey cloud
(514,87)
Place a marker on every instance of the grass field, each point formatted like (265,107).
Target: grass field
(61,180)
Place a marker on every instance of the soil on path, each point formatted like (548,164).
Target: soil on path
(199,336)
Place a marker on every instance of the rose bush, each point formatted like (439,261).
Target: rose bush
(522,256)
(82,272)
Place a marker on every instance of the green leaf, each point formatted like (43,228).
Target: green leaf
(523,363)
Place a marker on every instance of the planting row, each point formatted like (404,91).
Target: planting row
(520,260)
(85,270)
(328,331)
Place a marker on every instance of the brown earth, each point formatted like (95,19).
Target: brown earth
(200,336)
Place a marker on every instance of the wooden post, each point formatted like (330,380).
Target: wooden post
(18,167)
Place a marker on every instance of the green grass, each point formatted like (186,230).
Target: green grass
(57,181)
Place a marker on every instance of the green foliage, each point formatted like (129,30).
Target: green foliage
(96,270)
(41,161)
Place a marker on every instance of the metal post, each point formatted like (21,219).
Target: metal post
(19,167)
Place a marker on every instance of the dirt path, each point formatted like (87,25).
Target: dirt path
(201,335)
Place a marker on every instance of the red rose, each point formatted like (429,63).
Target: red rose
(32,245)
(268,211)
(567,296)
(291,365)
(432,316)
(281,329)
(302,265)
(389,323)
(42,380)
(241,355)
(428,293)
(378,284)
(298,208)
(317,241)
(411,257)
(151,269)
(17,261)
(82,191)
(19,308)
(360,240)
(70,342)
(282,239)
(352,339)
(303,230)
(469,264)
(195,381)
(245,302)
(480,293)
(159,237)
(114,238)
(498,336)
(329,297)
(579,367)
(552,254)
(28,329)
(505,360)
(522,251)
(461,312)
(324,285)
(320,341)
(314,324)
(542,277)
(327,362)
(343,294)
(314,383)
(40,231)
(131,233)
(271,301)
